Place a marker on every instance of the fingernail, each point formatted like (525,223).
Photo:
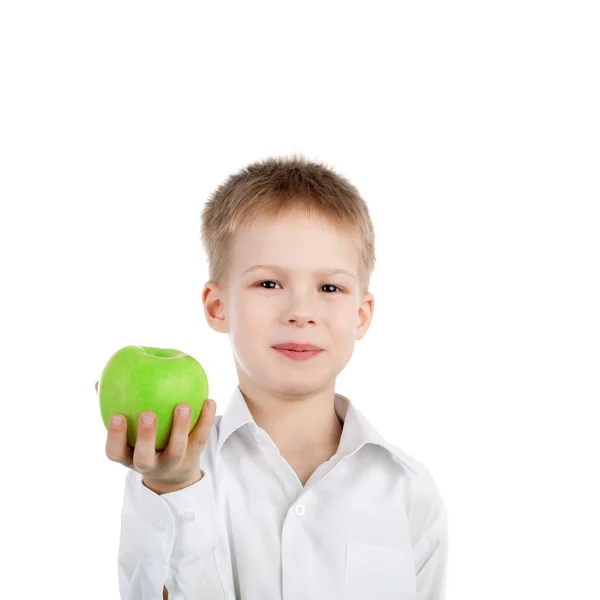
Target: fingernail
(147,420)
(184,411)
(115,421)
(212,404)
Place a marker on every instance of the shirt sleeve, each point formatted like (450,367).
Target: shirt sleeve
(431,557)
(167,540)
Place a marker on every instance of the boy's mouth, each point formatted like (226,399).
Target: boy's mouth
(298,354)
(297,347)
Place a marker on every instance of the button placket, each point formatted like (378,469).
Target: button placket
(158,526)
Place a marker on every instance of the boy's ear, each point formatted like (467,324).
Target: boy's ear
(365,314)
(212,299)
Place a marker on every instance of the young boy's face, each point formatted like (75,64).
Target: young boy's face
(299,305)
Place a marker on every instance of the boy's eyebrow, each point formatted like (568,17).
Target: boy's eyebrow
(278,268)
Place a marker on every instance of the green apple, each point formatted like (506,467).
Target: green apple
(140,378)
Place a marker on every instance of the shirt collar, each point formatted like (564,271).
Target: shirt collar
(357,431)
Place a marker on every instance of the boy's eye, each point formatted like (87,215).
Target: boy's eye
(324,285)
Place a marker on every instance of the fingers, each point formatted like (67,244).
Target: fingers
(96,386)
(117,448)
(201,432)
(177,445)
(144,458)
(144,453)
(180,438)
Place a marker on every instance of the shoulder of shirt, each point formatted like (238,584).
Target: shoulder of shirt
(423,489)
(424,500)
(407,460)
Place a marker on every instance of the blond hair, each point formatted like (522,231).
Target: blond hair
(279,185)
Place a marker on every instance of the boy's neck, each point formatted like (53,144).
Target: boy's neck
(296,425)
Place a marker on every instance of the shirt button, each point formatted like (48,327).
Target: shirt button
(300,509)
(188,517)
(158,526)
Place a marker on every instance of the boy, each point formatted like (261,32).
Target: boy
(298,497)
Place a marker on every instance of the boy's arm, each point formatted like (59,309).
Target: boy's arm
(431,558)
(167,543)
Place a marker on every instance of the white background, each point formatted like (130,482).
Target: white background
(472,130)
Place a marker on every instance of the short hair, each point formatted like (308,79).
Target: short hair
(278,185)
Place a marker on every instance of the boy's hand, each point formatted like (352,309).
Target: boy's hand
(175,467)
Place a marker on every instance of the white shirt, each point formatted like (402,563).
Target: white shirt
(369,523)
